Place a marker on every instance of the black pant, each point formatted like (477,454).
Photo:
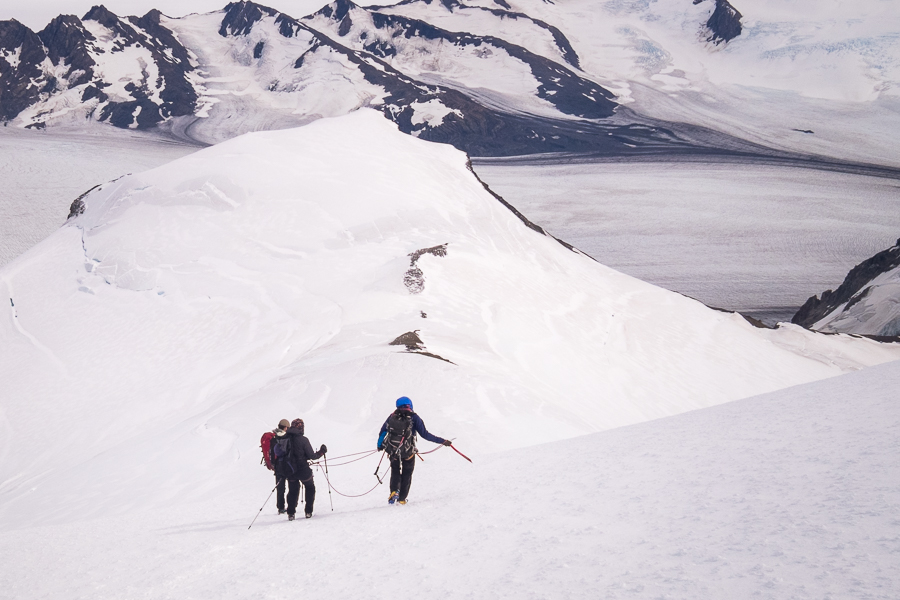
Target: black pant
(279,500)
(294,494)
(401,475)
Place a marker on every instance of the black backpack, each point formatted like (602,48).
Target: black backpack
(281,455)
(400,439)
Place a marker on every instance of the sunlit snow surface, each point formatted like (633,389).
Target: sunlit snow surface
(789,495)
(193,305)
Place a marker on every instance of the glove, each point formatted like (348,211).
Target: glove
(380,446)
(447,443)
(323,449)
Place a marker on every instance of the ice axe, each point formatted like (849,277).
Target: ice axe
(460,453)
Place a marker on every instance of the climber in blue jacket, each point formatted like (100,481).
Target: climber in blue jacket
(398,439)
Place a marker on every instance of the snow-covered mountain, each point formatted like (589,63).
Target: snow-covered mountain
(324,271)
(250,67)
(492,78)
(867,302)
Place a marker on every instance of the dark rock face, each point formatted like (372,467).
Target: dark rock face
(21,78)
(66,41)
(410,339)
(241,16)
(414,345)
(859,276)
(287,26)
(103,16)
(724,24)
(174,63)
(77,207)
(414,278)
(171,58)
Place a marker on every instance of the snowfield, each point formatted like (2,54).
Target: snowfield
(628,441)
(325,271)
(789,495)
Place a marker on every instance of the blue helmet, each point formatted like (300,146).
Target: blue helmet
(404,401)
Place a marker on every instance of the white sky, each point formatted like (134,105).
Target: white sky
(37,13)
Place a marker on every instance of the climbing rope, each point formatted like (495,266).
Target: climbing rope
(351,495)
(367,455)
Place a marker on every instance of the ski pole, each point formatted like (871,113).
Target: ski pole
(460,453)
(328,481)
(264,503)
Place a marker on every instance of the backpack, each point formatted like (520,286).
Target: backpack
(266,443)
(281,455)
(400,439)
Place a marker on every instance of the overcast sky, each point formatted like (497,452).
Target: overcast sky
(37,13)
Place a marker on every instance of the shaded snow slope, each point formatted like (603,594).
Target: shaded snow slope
(789,495)
(267,276)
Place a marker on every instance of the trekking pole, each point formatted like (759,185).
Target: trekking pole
(264,504)
(379,466)
(460,453)
(328,481)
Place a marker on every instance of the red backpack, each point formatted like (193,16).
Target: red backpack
(265,443)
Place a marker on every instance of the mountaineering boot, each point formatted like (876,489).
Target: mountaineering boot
(402,501)
(290,517)
(393,497)
(308,515)
(281,511)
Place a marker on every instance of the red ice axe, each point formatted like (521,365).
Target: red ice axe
(460,453)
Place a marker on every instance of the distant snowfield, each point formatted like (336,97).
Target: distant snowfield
(41,173)
(789,495)
(760,239)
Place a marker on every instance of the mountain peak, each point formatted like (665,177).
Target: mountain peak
(724,24)
(152,16)
(102,15)
(241,16)
(337,10)
(65,37)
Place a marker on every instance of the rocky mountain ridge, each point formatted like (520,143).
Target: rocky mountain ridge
(482,93)
(867,301)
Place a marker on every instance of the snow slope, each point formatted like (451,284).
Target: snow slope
(41,173)
(789,495)
(199,302)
